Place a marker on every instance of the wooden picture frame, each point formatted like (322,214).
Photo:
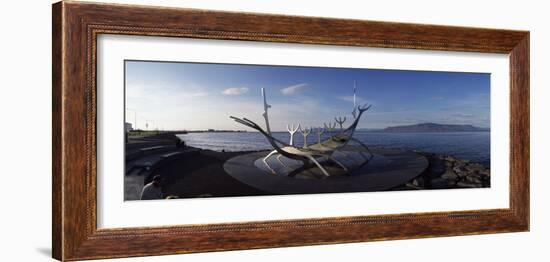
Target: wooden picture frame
(76,26)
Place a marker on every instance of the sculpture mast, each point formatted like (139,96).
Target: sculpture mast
(354,112)
(266,107)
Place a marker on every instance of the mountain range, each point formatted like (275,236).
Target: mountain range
(432,127)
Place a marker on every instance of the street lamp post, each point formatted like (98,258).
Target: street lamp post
(147,121)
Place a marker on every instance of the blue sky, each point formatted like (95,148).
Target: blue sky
(197,96)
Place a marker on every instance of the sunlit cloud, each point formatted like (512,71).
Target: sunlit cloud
(294,89)
(196,94)
(235,91)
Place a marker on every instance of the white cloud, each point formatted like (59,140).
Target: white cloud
(235,91)
(196,94)
(294,89)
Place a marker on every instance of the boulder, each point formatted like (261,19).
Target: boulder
(457,169)
(450,158)
(450,175)
(462,174)
(418,182)
(474,167)
(476,179)
(485,172)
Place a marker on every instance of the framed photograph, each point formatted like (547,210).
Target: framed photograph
(193,131)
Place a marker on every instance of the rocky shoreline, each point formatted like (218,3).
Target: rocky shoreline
(446,172)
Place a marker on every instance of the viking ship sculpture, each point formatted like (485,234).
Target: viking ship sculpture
(318,152)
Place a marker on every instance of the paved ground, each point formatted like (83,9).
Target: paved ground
(202,175)
(136,168)
(387,169)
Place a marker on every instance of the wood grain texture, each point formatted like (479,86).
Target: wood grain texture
(519,129)
(57,215)
(75,29)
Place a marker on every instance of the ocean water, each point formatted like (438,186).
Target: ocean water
(474,146)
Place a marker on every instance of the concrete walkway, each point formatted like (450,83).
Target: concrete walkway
(138,169)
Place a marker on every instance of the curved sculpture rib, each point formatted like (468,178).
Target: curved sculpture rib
(265,161)
(363,145)
(340,140)
(273,141)
(318,165)
(297,153)
(338,163)
(307,153)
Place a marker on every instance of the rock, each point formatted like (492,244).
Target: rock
(441,183)
(457,169)
(450,158)
(485,172)
(467,185)
(459,165)
(450,175)
(446,171)
(462,174)
(476,179)
(418,182)
(474,167)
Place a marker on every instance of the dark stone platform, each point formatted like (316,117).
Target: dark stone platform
(387,169)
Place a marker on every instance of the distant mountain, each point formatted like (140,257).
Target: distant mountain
(432,127)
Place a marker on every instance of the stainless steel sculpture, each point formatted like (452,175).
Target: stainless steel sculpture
(305,132)
(340,122)
(266,107)
(316,152)
(320,131)
(329,128)
(291,130)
